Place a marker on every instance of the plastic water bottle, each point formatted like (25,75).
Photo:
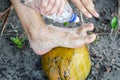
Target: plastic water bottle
(67,16)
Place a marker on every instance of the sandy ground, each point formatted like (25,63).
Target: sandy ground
(24,64)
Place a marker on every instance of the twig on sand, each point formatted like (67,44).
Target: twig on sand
(6,14)
(107,33)
(21,35)
(81,17)
(2,14)
(13,27)
(104,54)
(95,53)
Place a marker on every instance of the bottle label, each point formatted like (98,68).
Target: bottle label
(64,17)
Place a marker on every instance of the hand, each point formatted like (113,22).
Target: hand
(48,7)
(86,7)
(52,37)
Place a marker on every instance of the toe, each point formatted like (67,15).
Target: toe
(90,38)
(85,28)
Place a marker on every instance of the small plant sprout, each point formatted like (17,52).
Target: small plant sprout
(66,24)
(18,41)
(114,22)
(114,25)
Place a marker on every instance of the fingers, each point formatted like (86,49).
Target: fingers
(54,8)
(62,7)
(90,7)
(49,7)
(44,3)
(86,7)
(46,6)
(40,5)
(81,7)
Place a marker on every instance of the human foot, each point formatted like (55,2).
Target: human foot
(43,37)
(53,37)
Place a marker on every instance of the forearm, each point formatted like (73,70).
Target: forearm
(36,24)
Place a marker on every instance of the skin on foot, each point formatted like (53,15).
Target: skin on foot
(54,38)
(44,37)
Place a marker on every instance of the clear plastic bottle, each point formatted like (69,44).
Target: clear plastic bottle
(67,16)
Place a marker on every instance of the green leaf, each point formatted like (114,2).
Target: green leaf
(66,23)
(19,46)
(17,42)
(114,22)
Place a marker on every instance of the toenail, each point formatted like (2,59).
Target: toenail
(89,16)
(91,24)
(92,35)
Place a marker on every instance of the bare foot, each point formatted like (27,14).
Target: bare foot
(43,37)
(54,37)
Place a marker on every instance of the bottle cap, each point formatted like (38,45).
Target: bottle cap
(77,20)
(74,18)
